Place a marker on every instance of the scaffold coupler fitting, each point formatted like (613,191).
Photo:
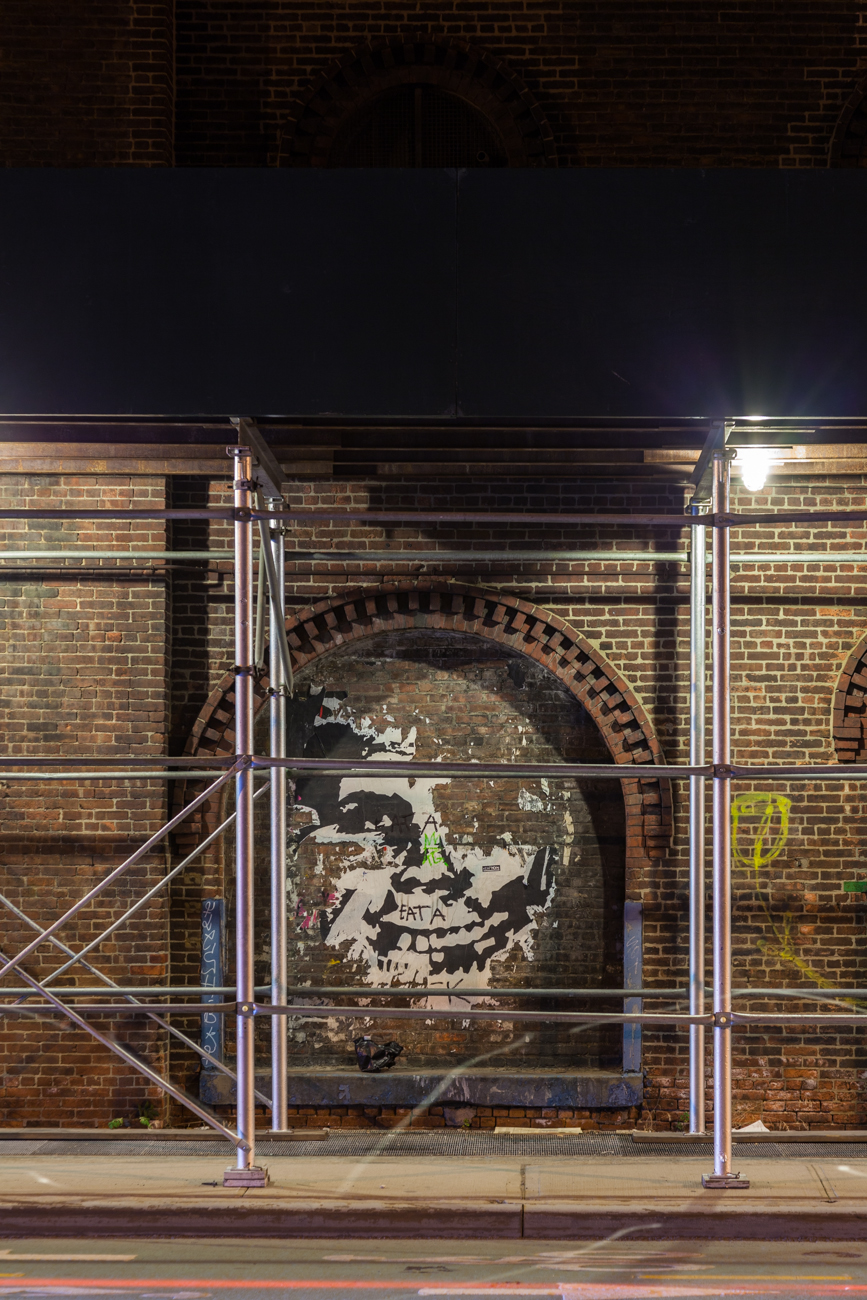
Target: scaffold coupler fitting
(255,1176)
(725,1182)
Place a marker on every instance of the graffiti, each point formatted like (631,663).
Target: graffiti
(433,853)
(764,819)
(771,833)
(304,919)
(211,972)
(406,902)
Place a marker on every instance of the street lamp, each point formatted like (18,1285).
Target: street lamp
(753,464)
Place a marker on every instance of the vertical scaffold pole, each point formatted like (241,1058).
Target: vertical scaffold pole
(697,758)
(279,970)
(243,501)
(722,1175)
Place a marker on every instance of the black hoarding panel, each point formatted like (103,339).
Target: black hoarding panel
(662,293)
(493,293)
(153,291)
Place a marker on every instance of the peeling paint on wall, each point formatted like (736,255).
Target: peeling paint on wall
(531,895)
(413,906)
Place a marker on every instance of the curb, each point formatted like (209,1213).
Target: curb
(573,1221)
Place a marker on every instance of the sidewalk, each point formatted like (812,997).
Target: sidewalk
(101,1193)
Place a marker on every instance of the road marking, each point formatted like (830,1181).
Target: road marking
(756,1277)
(66,1259)
(545,1259)
(186,1287)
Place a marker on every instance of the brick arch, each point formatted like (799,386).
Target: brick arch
(849,721)
(331,624)
(849,145)
(362,74)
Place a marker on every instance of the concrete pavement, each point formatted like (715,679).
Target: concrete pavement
(374,1195)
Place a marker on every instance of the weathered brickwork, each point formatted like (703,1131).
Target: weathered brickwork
(84,675)
(459,700)
(87,87)
(484,1117)
(795,629)
(622,83)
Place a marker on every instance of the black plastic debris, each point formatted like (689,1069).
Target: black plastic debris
(374,1057)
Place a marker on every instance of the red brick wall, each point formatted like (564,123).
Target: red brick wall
(84,674)
(87,85)
(793,630)
(622,83)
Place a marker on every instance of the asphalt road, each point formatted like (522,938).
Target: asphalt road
(611,1269)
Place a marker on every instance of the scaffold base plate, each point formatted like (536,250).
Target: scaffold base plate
(255,1176)
(726,1182)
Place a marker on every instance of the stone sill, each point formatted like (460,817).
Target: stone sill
(581,1089)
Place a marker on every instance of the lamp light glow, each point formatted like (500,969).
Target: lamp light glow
(754,464)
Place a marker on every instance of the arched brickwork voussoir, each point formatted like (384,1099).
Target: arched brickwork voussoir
(362,74)
(850,708)
(513,623)
(849,145)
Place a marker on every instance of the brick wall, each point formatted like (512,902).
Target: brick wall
(622,83)
(793,630)
(84,674)
(87,86)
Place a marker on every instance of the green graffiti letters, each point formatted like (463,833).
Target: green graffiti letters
(433,851)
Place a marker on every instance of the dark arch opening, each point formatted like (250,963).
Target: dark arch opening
(417,125)
(524,881)
(389,102)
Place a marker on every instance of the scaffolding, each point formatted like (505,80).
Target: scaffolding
(258,505)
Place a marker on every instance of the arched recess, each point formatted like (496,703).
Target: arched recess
(513,623)
(849,144)
(371,70)
(850,708)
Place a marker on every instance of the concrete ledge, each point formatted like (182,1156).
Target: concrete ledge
(238,1216)
(155,1135)
(243,1218)
(752,1220)
(582,1089)
(738,1136)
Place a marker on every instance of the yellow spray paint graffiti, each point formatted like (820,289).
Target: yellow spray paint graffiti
(760,828)
(769,835)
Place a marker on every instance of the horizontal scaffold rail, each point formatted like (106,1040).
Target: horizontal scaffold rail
(728,519)
(484,771)
(409,556)
(560,771)
(111,776)
(249,1009)
(428,991)
(303,990)
(306,1011)
(50,760)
